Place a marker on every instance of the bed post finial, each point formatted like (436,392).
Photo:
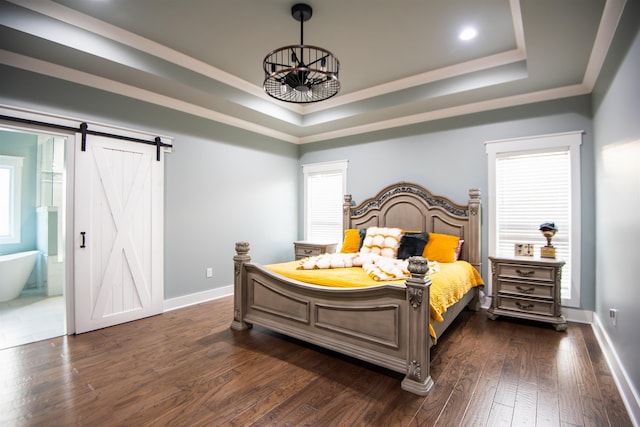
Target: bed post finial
(242,248)
(242,256)
(418,266)
(417,379)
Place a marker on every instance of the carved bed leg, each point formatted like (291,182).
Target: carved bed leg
(418,379)
(239,289)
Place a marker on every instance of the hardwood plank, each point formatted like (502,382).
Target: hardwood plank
(441,391)
(481,402)
(591,397)
(508,384)
(500,415)
(569,397)
(524,409)
(526,397)
(547,408)
(613,405)
(187,368)
(481,351)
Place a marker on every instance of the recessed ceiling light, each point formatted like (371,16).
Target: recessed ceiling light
(468,33)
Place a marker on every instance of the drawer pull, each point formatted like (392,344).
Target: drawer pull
(524,306)
(525,290)
(308,251)
(525,273)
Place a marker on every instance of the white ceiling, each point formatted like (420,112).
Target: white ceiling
(401,61)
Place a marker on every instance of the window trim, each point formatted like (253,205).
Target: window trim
(570,141)
(14,165)
(318,168)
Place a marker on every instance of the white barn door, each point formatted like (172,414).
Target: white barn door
(119,190)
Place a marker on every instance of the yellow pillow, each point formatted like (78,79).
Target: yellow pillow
(441,247)
(351,243)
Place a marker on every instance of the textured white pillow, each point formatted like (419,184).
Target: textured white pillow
(382,241)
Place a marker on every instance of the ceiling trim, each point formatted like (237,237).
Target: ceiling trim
(117,34)
(468,67)
(606,30)
(455,70)
(518,28)
(127,38)
(476,107)
(68,121)
(75,76)
(64,73)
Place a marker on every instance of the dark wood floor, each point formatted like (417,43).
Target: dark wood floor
(186,367)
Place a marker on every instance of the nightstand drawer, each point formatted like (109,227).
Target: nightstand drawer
(526,306)
(523,288)
(307,249)
(523,271)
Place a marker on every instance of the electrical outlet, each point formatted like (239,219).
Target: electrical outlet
(209,272)
(613,315)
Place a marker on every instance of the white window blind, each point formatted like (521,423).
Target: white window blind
(325,186)
(532,189)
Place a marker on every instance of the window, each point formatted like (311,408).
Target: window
(532,181)
(324,187)
(10,192)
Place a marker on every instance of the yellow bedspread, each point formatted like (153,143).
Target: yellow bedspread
(447,285)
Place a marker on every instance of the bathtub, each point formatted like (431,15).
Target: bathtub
(15,270)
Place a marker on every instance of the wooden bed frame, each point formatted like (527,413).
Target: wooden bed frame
(385,325)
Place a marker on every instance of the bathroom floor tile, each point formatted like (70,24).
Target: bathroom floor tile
(31,318)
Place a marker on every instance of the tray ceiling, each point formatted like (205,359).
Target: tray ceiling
(401,62)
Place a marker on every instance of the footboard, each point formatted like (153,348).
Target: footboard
(386,325)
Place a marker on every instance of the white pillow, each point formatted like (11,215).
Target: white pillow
(382,241)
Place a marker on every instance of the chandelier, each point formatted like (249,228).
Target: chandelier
(300,73)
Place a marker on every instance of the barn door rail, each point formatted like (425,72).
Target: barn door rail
(84,130)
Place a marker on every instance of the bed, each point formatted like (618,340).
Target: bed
(388,324)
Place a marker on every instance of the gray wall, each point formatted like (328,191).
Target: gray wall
(448,157)
(617,153)
(222,185)
(26,146)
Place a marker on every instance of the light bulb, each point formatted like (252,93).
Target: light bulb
(468,33)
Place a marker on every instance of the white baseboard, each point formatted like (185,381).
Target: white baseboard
(578,315)
(197,298)
(625,386)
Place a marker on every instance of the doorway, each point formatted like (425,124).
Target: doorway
(33,215)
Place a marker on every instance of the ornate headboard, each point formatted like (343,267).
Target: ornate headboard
(412,207)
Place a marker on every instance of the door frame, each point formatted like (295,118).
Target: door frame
(73,139)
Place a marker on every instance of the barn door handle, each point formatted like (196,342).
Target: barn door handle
(82,245)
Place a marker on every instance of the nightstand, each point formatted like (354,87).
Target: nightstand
(527,288)
(307,249)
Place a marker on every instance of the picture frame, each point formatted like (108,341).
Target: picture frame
(523,249)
